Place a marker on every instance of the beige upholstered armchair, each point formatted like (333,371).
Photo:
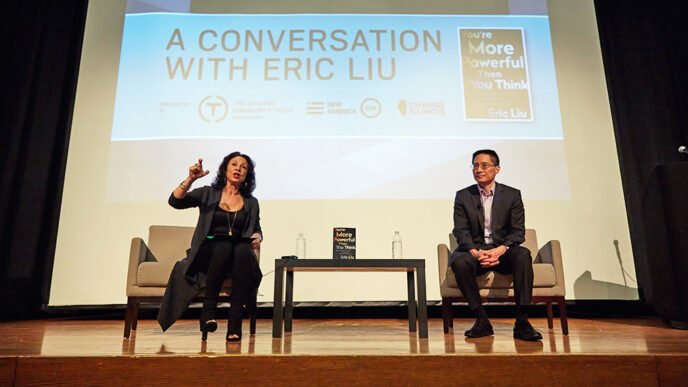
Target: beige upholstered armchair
(548,280)
(150,266)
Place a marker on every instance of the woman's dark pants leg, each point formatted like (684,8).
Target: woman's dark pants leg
(242,289)
(219,255)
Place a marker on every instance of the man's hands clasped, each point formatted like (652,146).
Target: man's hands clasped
(488,258)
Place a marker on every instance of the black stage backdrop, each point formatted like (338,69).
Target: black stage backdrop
(41,51)
(644,57)
(644,51)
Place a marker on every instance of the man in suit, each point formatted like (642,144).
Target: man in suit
(489,225)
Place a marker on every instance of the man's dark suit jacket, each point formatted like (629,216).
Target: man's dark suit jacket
(508,220)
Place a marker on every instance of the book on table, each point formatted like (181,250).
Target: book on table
(344,243)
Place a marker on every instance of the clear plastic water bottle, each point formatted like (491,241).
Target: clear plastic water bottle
(301,246)
(396,246)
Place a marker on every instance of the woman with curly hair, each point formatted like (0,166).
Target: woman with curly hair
(227,232)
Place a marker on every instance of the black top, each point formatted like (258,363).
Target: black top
(222,220)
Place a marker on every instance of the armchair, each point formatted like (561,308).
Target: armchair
(548,280)
(150,266)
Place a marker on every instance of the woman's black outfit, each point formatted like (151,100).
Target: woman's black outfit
(212,256)
(220,255)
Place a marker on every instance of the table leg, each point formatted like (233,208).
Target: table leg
(289,301)
(277,303)
(422,304)
(411,301)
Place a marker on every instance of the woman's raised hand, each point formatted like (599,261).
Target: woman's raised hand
(196,171)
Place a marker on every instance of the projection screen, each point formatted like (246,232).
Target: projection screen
(362,114)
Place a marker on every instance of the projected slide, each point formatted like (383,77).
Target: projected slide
(332,106)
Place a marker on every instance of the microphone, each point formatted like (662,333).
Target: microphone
(682,149)
(618,256)
(618,253)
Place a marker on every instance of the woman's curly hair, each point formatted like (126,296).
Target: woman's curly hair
(247,187)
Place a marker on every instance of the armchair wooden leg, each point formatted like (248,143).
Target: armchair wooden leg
(447,314)
(550,319)
(128,316)
(562,316)
(135,316)
(252,323)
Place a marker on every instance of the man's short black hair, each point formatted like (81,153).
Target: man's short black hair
(493,155)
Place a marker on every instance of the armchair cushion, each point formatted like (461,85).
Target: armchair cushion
(157,274)
(543,276)
(154,273)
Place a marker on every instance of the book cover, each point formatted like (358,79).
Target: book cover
(344,243)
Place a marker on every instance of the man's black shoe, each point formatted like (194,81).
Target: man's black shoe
(481,328)
(525,331)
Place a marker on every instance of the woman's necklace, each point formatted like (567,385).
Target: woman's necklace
(233,220)
(229,232)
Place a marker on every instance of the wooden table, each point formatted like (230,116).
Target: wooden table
(410,266)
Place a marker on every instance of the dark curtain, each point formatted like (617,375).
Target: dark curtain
(643,47)
(41,52)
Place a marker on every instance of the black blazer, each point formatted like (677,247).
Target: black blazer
(508,219)
(183,286)
(207,199)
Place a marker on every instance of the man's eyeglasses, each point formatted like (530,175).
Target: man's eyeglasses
(482,166)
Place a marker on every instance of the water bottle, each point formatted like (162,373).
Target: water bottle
(396,246)
(301,246)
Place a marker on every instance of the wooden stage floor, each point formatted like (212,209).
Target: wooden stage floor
(358,352)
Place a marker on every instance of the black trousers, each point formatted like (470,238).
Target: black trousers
(219,259)
(516,261)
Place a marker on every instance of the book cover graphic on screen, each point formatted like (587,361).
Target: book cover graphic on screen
(344,243)
(496,86)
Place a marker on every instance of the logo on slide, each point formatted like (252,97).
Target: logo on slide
(403,107)
(213,109)
(371,108)
(315,107)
